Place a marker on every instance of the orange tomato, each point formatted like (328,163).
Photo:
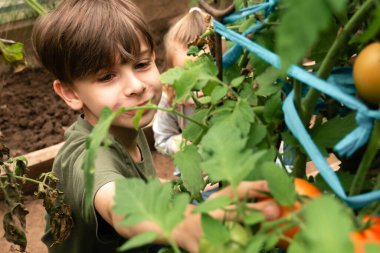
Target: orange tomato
(303,188)
(367,73)
(368,235)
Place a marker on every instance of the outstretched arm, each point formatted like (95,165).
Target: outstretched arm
(188,233)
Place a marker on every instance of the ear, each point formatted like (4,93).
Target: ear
(68,94)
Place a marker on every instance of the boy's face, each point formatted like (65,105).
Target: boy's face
(125,85)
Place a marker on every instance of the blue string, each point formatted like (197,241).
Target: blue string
(357,138)
(236,51)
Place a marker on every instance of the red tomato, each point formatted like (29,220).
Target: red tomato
(367,74)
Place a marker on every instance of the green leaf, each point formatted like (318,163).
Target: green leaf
(185,84)
(152,201)
(272,111)
(138,240)
(188,161)
(171,75)
(257,134)
(333,130)
(293,39)
(254,218)
(237,81)
(95,139)
(214,231)
(136,118)
(193,50)
(256,243)
(212,204)
(204,100)
(220,159)
(192,131)
(327,225)
(218,93)
(371,247)
(13,53)
(280,184)
(266,82)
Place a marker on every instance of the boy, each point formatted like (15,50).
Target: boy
(102,54)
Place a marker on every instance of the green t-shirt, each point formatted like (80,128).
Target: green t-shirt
(112,163)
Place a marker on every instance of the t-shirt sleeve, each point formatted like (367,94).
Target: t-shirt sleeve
(107,169)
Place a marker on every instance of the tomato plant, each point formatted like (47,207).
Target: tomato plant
(366,73)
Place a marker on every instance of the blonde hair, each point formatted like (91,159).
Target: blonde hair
(186,30)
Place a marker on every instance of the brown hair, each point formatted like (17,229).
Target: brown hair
(81,37)
(187,29)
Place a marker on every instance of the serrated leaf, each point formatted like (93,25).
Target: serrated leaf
(138,240)
(193,131)
(152,201)
(188,160)
(280,183)
(212,204)
(220,159)
(171,75)
(327,225)
(218,93)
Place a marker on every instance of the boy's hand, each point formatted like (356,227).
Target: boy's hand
(249,189)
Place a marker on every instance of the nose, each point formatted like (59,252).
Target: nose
(133,86)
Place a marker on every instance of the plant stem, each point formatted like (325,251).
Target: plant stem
(369,155)
(28,179)
(171,110)
(332,56)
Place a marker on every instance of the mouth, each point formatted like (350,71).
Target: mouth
(133,112)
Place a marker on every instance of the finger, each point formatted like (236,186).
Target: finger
(269,208)
(246,189)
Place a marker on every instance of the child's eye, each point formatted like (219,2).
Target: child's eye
(106,78)
(142,65)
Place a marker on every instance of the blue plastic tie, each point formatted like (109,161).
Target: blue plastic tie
(236,51)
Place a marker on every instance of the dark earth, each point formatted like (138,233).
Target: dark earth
(33,117)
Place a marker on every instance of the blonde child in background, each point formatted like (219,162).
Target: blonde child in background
(167,127)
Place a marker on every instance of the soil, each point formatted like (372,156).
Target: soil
(33,117)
